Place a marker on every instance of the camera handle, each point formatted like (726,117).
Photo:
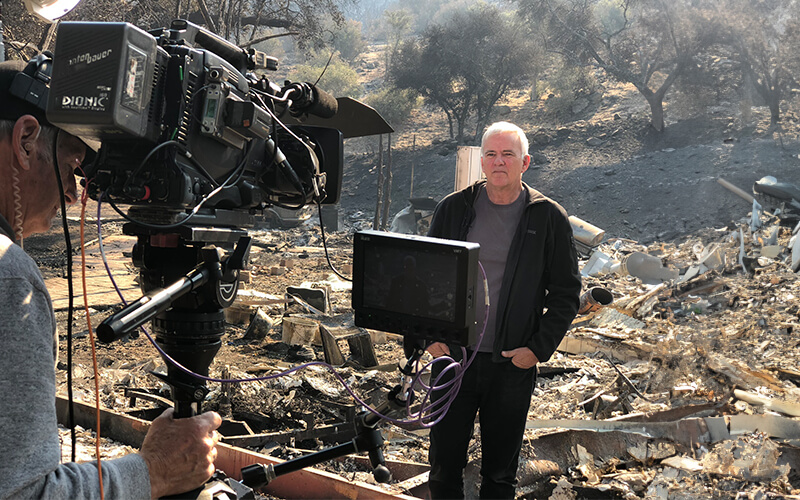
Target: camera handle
(241,58)
(368,437)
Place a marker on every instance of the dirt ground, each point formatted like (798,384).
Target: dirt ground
(655,193)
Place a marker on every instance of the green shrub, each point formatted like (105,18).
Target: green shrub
(338,78)
(565,86)
(349,41)
(394,105)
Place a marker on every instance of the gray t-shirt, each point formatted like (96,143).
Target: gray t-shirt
(494,227)
(29,441)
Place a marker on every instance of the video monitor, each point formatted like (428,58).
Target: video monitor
(415,286)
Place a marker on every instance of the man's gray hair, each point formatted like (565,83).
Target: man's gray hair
(506,127)
(6,127)
(46,132)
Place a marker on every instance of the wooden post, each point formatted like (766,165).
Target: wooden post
(49,36)
(387,188)
(376,221)
(413,162)
(2,37)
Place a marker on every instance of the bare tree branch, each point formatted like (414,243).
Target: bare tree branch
(269,37)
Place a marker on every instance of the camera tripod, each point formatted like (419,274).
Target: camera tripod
(188,280)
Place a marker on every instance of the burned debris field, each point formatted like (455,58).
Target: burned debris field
(683,388)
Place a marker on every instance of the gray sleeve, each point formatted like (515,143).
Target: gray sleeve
(122,479)
(29,442)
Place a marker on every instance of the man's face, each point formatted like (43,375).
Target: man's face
(503,160)
(41,187)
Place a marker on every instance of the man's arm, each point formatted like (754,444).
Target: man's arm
(436,229)
(563,290)
(31,465)
(177,455)
(123,478)
(439,229)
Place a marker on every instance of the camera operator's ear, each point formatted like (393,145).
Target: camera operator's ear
(23,139)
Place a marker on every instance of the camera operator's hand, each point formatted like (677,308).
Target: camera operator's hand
(180,452)
(438,349)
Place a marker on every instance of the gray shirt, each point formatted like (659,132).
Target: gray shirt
(29,441)
(494,227)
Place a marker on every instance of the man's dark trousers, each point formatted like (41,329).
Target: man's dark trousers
(502,392)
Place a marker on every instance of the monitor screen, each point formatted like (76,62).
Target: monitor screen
(415,285)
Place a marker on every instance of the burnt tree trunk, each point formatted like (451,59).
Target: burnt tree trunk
(767,86)
(387,184)
(449,123)
(376,221)
(774,102)
(655,98)
(656,113)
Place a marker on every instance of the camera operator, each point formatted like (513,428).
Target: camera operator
(531,266)
(177,455)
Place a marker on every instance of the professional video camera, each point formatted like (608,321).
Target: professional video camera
(194,143)
(188,130)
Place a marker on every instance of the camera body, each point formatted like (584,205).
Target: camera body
(182,126)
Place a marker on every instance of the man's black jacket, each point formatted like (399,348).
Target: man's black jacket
(541,285)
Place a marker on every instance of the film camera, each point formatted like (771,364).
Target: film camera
(195,144)
(190,129)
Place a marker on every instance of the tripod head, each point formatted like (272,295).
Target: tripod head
(188,277)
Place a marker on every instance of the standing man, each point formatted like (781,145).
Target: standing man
(534,288)
(177,455)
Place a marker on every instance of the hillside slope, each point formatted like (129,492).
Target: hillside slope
(606,166)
